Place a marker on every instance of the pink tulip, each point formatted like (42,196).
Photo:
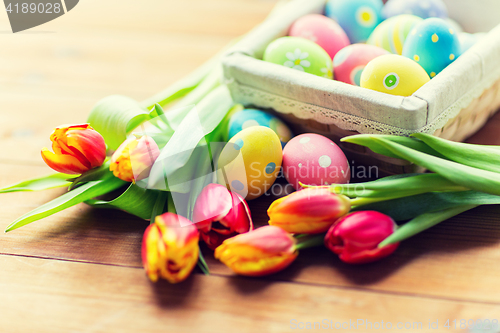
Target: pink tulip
(355,237)
(262,251)
(220,214)
(309,211)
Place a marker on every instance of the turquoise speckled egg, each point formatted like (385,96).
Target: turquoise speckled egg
(253,117)
(300,54)
(358,18)
(391,34)
(433,44)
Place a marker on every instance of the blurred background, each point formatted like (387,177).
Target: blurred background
(53,74)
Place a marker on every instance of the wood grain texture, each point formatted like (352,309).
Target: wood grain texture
(80,270)
(76,297)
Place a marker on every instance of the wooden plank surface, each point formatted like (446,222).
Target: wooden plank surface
(80,270)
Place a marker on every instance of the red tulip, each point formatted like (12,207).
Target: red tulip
(263,251)
(220,214)
(355,237)
(170,248)
(132,161)
(77,149)
(309,211)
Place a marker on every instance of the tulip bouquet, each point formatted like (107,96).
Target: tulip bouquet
(136,157)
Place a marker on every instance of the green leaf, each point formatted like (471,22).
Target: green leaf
(208,84)
(135,200)
(423,222)
(403,209)
(99,173)
(472,178)
(177,154)
(367,140)
(114,116)
(477,156)
(203,264)
(39,184)
(159,206)
(79,194)
(396,186)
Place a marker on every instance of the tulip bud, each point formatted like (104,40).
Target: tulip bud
(220,214)
(308,211)
(77,149)
(170,248)
(132,161)
(258,252)
(355,237)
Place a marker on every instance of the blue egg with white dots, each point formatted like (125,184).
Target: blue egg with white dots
(421,8)
(433,44)
(254,117)
(358,18)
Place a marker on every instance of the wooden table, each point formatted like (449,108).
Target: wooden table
(80,270)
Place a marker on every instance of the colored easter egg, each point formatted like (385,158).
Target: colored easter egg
(322,30)
(391,34)
(349,62)
(249,163)
(253,117)
(300,54)
(433,44)
(420,8)
(394,74)
(313,159)
(358,18)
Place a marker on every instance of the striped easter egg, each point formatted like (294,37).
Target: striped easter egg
(391,34)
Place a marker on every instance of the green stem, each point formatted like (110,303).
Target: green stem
(423,222)
(159,206)
(170,204)
(203,264)
(313,241)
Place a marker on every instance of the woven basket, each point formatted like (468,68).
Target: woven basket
(453,105)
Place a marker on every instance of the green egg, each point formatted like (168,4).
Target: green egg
(300,54)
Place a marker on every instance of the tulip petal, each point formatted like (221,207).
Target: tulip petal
(89,143)
(312,210)
(149,253)
(213,203)
(63,163)
(238,218)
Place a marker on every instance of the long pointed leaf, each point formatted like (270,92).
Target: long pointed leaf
(39,184)
(472,178)
(367,141)
(111,117)
(135,200)
(423,222)
(201,121)
(477,156)
(79,194)
(403,209)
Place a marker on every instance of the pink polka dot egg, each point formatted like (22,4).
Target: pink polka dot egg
(313,159)
(349,62)
(322,30)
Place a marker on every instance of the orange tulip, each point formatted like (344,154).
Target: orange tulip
(77,148)
(132,161)
(308,211)
(170,248)
(258,252)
